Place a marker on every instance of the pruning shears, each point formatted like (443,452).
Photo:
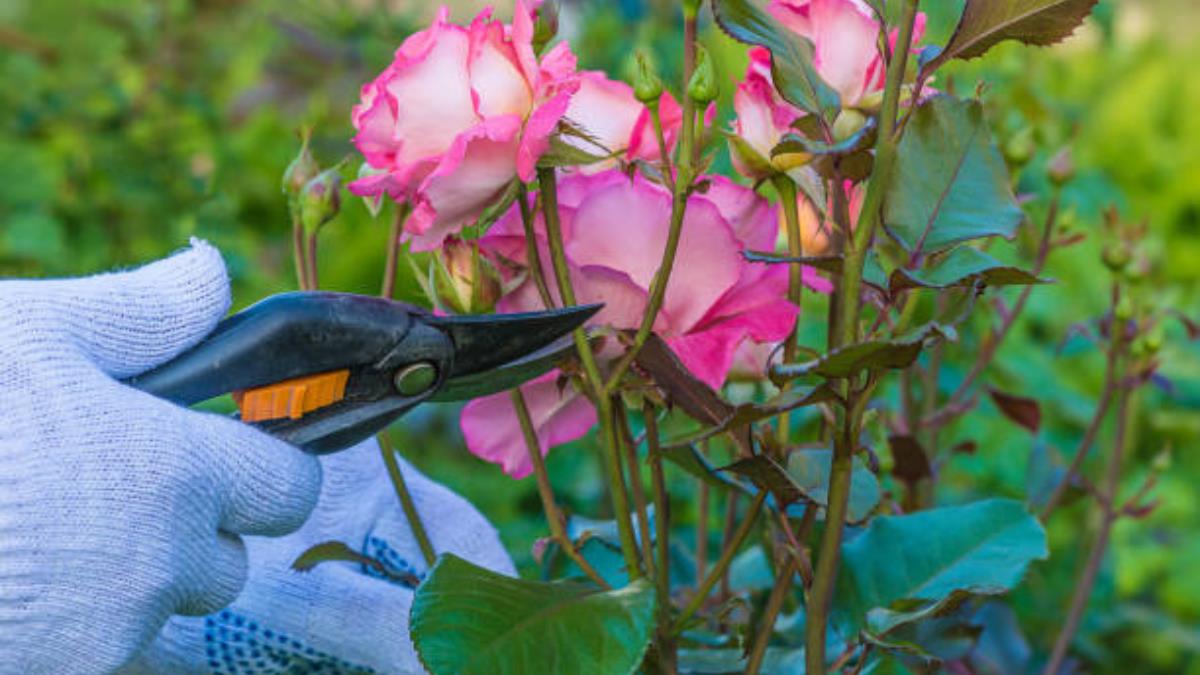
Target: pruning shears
(324,371)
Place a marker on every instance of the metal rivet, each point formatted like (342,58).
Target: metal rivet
(415,378)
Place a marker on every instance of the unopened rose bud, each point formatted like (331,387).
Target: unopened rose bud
(1116,256)
(1020,148)
(546,26)
(848,122)
(1061,168)
(1124,309)
(1154,339)
(302,169)
(321,199)
(702,88)
(647,86)
(464,282)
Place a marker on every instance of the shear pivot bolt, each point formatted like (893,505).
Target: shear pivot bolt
(415,378)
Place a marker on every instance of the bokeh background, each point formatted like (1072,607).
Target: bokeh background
(127,127)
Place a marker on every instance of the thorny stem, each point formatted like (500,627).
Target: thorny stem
(1089,435)
(783,584)
(553,516)
(718,570)
(406,500)
(848,305)
(388,289)
(532,255)
(548,189)
(662,531)
(1109,515)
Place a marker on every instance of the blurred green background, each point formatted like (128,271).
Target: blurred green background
(130,126)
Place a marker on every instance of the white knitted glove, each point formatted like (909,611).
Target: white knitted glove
(339,617)
(118,509)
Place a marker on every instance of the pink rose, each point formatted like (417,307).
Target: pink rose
(816,230)
(459,113)
(845,37)
(614,230)
(617,122)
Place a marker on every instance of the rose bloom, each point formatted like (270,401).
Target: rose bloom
(459,113)
(845,37)
(614,230)
(618,123)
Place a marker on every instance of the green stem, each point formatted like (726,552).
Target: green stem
(663,151)
(787,196)
(532,255)
(723,563)
(848,306)
(388,288)
(406,500)
(701,528)
(548,189)
(298,255)
(662,533)
(779,592)
(553,516)
(636,486)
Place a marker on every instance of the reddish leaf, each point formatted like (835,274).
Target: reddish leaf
(1022,410)
(681,387)
(911,463)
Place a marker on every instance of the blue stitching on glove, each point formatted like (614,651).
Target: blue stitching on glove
(236,645)
(380,550)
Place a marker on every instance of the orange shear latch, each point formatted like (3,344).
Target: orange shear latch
(292,398)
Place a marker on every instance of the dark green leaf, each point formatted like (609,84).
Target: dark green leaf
(963,266)
(690,460)
(871,355)
(336,551)
(767,474)
(792,67)
(981,548)
(950,183)
(683,389)
(749,413)
(809,470)
(1036,22)
(827,263)
(798,143)
(466,619)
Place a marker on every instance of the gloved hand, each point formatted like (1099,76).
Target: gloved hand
(118,509)
(338,617)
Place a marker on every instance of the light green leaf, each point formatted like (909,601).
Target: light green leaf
(469,620)
(950,183)
(792,67)
(963,266)
(870,355)
(809,470)
(1036,22)
(981,548)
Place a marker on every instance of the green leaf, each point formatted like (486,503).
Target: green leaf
(826,263)
(792,67)
(466,619)
(950,183)
(981,548)
(984,23)
(749,413)
(870,355)
(963,266)
(336,551)
(798,143)
(809,470)
(776,661)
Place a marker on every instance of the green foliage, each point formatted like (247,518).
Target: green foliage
(984,23)
(963,266)
(950,184)
(980,548)
(466,619)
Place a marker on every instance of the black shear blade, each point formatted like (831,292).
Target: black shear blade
(484,343)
